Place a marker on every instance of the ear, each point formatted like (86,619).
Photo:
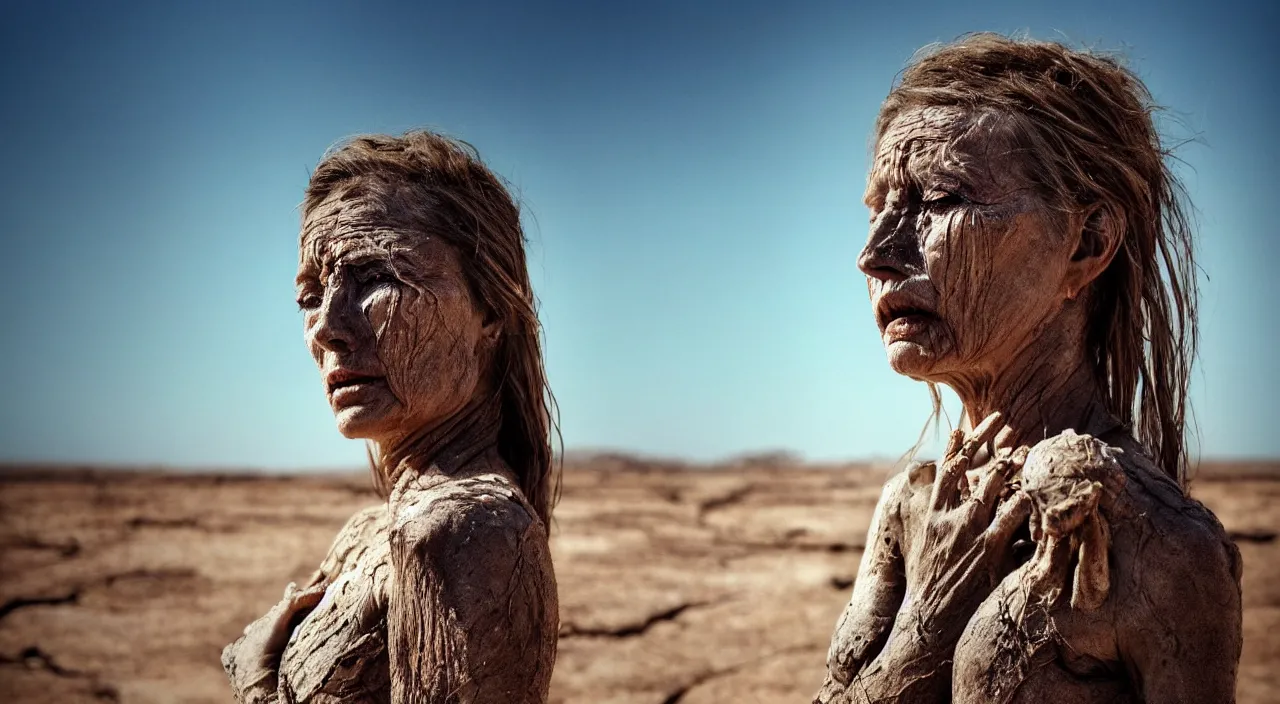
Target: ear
(1097,233)
(490,330)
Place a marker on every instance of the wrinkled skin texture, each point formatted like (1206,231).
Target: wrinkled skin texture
(383,301)
(1114,586)
(446,592)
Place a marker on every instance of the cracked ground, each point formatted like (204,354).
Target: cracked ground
(718,584)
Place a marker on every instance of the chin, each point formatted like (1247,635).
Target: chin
(910,359)
(360,423)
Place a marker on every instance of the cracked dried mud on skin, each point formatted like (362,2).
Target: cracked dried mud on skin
(417,311)
(985,271)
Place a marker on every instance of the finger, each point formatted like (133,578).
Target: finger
(1009,517)
(990,486)
(972,484)
(946,486)
(286,609)
(1049,575)
(317,577)
(953,444)
(1004,439)
(947,489)
(286,613)
(1093,573)
(981,435)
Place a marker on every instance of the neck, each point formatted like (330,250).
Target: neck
(446,447)
(1048,387)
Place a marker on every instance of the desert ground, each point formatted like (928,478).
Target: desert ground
(677,584)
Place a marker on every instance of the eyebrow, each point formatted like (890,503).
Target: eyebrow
(359,260)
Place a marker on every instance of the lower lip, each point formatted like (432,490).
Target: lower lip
(354,393)
(908,325)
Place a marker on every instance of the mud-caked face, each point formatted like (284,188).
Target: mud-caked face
(389,318)
(964,260)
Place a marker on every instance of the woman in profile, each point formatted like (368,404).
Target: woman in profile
(418,311)
(1028,248)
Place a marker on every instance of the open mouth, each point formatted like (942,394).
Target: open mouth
(350,381)
(903,313)
(906,312)
(897,315)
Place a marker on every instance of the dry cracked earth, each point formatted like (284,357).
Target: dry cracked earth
(715,584)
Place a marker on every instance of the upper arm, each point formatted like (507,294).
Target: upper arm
(1182,642)
(472,614)
(878,591)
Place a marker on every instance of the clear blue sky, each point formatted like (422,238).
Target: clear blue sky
(691,173)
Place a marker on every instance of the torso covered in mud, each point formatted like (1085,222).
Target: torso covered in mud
(1148,571)
(1119,588)
(344,649)
(339,651)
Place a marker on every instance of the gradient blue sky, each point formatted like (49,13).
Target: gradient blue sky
(691,174)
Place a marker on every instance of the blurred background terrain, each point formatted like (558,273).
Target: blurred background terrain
(693,585)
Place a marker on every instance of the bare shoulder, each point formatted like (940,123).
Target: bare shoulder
(1169,526)
(1173,554)
(447,518)
(474,588)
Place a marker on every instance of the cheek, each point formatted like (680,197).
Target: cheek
(995,273)
(427,346)
(379,307)
(963,250)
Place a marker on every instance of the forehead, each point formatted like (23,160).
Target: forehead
(344,228)
(943,141)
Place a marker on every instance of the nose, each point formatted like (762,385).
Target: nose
(892,247)
(334,327)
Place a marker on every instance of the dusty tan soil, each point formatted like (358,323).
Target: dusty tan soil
(714,585)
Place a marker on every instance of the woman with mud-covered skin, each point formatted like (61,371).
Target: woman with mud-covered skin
(418,311)
(1028,249)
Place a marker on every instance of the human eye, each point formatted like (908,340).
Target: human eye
(376,276)
(942,199)
(308,300)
